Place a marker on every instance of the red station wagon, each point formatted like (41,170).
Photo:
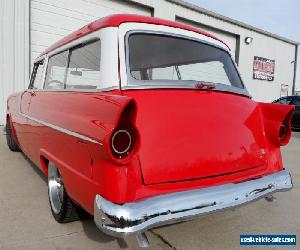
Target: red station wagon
(143,122)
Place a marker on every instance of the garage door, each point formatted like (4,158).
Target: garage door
(230,39)
(53,19)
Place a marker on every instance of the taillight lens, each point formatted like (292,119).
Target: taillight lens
(121,143)
(124,141)
(282,132)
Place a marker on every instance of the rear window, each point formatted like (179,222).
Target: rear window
(154,58)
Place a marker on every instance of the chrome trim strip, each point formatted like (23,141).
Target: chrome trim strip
(136,217)
(62,130)
(92,91)
(219,88)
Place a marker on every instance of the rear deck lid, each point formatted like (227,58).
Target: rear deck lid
(193,134)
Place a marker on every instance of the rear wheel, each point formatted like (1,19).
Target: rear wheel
(62,207)
(11,143)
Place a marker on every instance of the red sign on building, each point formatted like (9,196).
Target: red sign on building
(263,69)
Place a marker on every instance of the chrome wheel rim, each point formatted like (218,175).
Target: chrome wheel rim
(55,189)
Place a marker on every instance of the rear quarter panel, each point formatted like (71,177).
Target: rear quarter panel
(85,165)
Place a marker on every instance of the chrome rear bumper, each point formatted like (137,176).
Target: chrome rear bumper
(121,220)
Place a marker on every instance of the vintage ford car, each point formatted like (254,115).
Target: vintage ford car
(144,122)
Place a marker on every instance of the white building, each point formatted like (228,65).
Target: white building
(29,26)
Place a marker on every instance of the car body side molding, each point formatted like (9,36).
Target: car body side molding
(62,130)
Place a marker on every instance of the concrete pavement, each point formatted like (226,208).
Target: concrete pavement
(26,221)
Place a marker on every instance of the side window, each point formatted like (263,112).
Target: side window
(56,70)
(37,75)
(84,67)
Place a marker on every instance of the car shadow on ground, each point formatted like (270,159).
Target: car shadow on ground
(94,234)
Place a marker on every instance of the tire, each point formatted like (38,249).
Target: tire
(62,207)
(11,143)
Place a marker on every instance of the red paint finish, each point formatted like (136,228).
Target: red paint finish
(274,118)
(197,138)
(197,134)
(117,20)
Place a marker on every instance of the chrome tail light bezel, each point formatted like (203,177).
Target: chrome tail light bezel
(115,149)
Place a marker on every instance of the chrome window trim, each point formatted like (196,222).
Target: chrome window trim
(132,83)
(45,71)
(39,58)
(219,88)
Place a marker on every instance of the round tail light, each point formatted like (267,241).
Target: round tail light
(121,142)
(282,132)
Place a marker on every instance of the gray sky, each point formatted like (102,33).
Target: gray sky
(281,17)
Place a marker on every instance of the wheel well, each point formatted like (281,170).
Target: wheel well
(44,163)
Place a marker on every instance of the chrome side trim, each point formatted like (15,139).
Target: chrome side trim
(62,130)
(136,217)
(92,91)
(189,86)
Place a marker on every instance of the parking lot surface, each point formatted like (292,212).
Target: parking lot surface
(26,221)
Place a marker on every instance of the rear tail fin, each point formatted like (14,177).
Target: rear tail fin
(277,122)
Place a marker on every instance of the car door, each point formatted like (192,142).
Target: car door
(24,129)
(35,85)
